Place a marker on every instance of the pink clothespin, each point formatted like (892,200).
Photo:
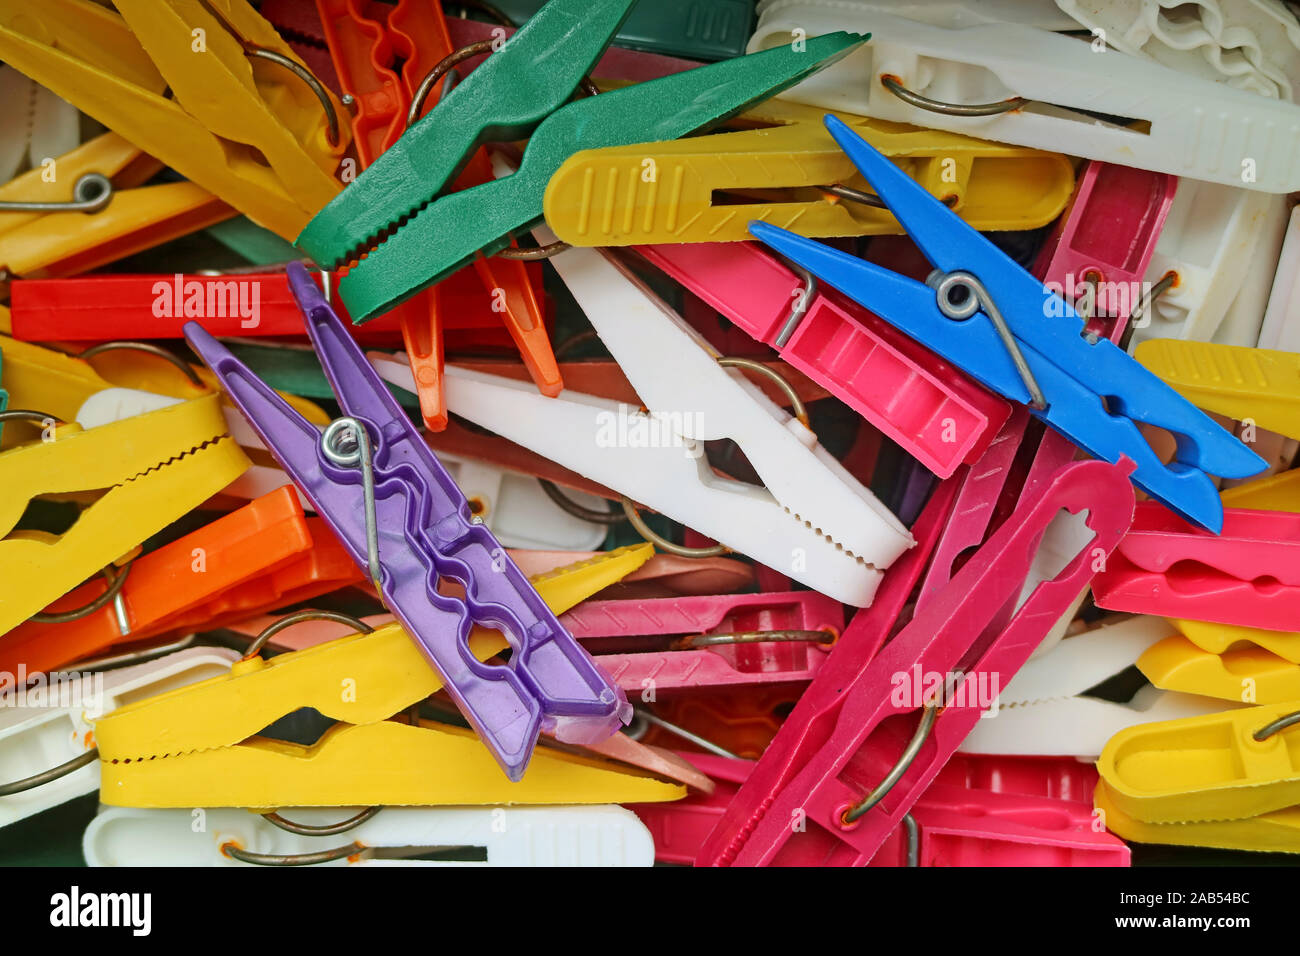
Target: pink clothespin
(710,640)
(933,411)
(1248,575)
(843,777)
(679,828)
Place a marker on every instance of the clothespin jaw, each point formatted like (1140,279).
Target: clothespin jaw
(448,232)
(1027,344)
(399,514)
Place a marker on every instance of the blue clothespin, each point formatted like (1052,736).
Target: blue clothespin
(991,318)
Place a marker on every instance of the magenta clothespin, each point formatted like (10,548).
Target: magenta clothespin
(679,827)
(930,409)
(708,641)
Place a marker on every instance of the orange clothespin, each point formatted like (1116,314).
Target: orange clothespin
(367,41)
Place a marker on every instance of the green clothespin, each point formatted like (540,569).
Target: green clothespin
(450,231)
(503,99)
(711,30)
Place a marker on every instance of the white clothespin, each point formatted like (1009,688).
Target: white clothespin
(1281,328)
(1043,712)
(1198,129)
(48,724)
(35,127)
(812,519)
(1222,242)
(1251,45)
(484,836)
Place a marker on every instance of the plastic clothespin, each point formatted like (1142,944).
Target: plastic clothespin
(467,836)
(717,31)
(1252,46)
(921,402)
(709,640)
(1248,674)
(1214,264)
(299,23)
(1223,780)
(1046,710)
(685,190)
(382,56)
(1247,575)
(95,210)
(810,501)
(399,514)
(679,828)
(238,123)
(42,127)
(262,556)
(156,467)
(834,774)
(1015,83)
(1281,327)
(1008,330)
(48,724)
(1241,383)
(1221,638)
(450,230)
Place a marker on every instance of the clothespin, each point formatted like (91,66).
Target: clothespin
(485,216)
(299,23)
(678,191)
(38,128)
(837,781)
(810,502)
(245,120)
(383,57)
(1032,349)
(679,828)
(677,27)
(399,836)
(921,402)
(1224,780)
(156,467)
(1281,327)
(47,724)
(1210,277)
(1248,46)
(1246,575)
(1036,88)
(365,484)
(709,641)
(1248,674)
(262,556)
(95,210)
(1046,710)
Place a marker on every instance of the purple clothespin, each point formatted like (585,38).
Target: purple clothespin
(399,514)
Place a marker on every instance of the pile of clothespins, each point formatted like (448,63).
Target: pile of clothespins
(811,432)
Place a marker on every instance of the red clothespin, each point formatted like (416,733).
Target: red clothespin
(264,555)
(933,411)
(708,640)
(367,42)
(846,734)
(1249,575)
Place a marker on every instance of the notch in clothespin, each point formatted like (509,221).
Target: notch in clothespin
(1017,83)
(1008,330)
(364,476)
(789,172)
(245,120)
(452,228)
(708,640)
(47,725)
(385,58)
(1046,708)
(850,784)
(808,501)
(398,836)
(1246,575)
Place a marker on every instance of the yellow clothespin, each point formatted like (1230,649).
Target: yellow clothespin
(672,192)
(205,736)
(155,467)
(1227,780)
(1279,492)
(111,214)
(244,118)
(1248,674)
(1220,638)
